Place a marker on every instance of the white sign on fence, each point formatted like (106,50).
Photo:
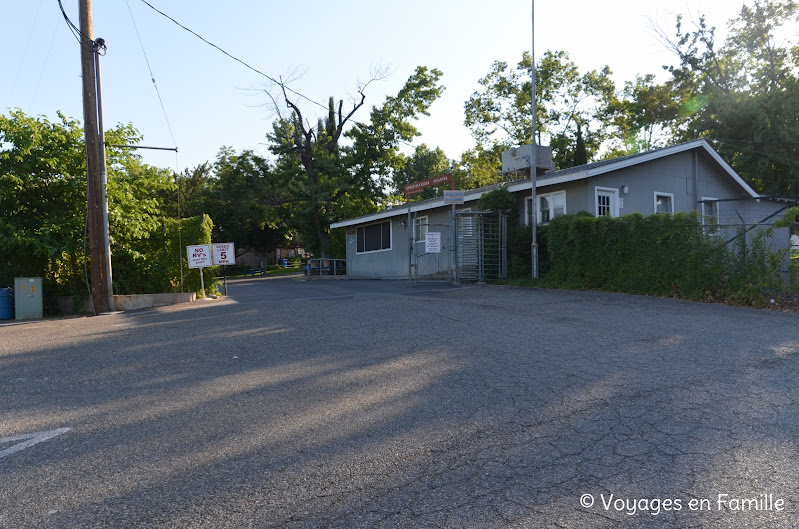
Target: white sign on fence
(453,196)
(199,255)
(432,243)
(224,253)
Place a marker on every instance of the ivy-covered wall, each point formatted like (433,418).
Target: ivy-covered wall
(153,265)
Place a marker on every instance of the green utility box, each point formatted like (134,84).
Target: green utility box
(28,298)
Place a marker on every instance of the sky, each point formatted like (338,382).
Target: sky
(320,49)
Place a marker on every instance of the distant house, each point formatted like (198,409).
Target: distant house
(289,251)
(687,177)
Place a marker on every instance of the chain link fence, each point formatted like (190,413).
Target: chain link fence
(432,250)
(761,246)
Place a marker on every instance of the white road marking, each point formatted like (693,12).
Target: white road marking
(28,440)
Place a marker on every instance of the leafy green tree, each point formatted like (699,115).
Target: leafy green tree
(188,200)
(480,166)
(328,181)
(244,200)
(423,163)
(43,202)
(499,113)
(744,94)
(580,154)
(646,115)
(42,196)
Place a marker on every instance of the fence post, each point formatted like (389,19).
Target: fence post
(453,254)
(745,246)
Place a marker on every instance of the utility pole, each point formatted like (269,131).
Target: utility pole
(96,190)
(99,45)
(533,163)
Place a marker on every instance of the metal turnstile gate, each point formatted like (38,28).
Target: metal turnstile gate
(482,246)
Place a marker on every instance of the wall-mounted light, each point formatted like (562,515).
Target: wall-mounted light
(402,223)
(625,189)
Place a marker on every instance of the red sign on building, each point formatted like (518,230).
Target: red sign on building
(417,187)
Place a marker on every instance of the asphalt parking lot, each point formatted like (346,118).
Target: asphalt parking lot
(307,404)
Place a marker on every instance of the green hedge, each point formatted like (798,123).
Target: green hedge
(656,254)
(153,264)
(664,255)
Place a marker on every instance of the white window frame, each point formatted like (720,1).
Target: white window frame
(420,221)
(538,216)
(390,237)
(661,194)
(705,216)
(614,203)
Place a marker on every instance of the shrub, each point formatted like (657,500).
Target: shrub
(664,255)
(499,200)
(152,265)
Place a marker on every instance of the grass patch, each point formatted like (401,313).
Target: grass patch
(284,271)
(270,273)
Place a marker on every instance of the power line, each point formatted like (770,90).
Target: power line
(31,33)
(741,144)
(79,36)
(259,72)
(152,77)
(44,66)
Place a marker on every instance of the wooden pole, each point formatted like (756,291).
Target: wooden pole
(533,161)
(99,286)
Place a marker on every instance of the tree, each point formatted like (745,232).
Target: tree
(423,163)
(480,166)
(42,196)
(580,154)
(244,200)
(191,184)
(43,201)
(329,181)
(499,114)
(646,115)
(745,93)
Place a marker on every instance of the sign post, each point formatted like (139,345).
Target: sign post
(199,257)
(224,254)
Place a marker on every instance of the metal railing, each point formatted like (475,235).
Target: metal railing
(326,268)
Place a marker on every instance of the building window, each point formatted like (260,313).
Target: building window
(374,237)
(607,201)
(419,229)
(550,206)
(664,202)
(710,211)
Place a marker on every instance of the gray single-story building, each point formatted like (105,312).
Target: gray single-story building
(687,177)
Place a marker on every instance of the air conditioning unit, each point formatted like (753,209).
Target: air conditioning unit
(517,159)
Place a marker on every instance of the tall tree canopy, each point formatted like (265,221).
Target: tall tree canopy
(329,180)
(422,163)
(744,94)
(43,197)
(499,113)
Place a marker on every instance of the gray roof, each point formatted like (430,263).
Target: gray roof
(564,175)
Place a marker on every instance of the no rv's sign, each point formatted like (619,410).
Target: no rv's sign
(199,255)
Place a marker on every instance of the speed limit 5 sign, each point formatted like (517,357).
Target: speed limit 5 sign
(223,253)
